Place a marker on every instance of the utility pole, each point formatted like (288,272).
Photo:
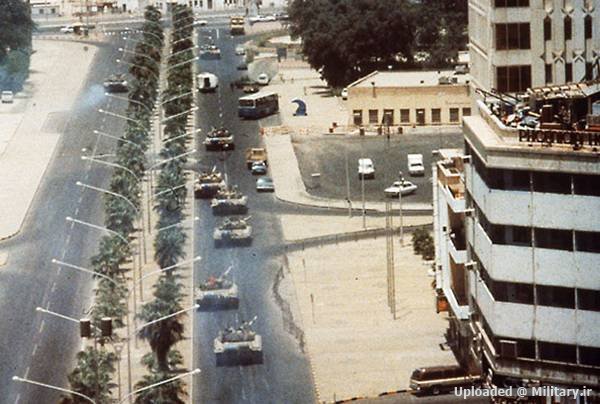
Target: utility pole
(348,184)
(389,247)
(362,191)
(400,202)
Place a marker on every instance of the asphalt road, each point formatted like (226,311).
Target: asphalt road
(284,377)
(32,344)
(389,157)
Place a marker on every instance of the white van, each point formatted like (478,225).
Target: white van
(207,82)
(7,97)
(415,164)
(366,168)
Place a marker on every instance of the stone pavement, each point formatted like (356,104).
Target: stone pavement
(31,127)
(338,295)
(289,186)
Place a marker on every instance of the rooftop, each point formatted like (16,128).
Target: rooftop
(418,78)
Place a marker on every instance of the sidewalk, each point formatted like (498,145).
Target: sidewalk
(31,127)
(289,186)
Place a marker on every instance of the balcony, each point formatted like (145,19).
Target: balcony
(457,247)
(450,179)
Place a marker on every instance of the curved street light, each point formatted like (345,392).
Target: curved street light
(185,62)
(111,164)
(140,66)
(142,55)
(167,119)
(129,100)
(49,386)
(106,191)
(117,138)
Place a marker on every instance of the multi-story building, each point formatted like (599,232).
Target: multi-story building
(518,256)
(203,5)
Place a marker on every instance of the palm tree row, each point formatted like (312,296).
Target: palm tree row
(169,205)
(94,368)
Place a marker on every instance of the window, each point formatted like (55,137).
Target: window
(512,36)
(357,116)
(513,78)
(554,238)
(388,117)
(586,184)
(466,111)
(588,299)
(510,292)
(587,27)
(547,29)
(404,115)
(589,356)
(589,71)
(568,72)
(453,114)
(555,296)
(510,180)
(557,352)
(567,27)
(436,115)
(587,241)
(373,114)
(548,73)
(511,3)
(557,183)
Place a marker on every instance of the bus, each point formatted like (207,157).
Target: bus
(258,105)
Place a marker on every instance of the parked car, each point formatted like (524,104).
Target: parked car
(200,23)
(250,89)
(263,79)
(265,184)
(415,164)
(436,379)
(366,168)
(7,97)
(240,50)
(344,94)
(259,168)
(67,29)
(403,187)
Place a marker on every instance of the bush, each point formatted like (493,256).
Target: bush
(423,244)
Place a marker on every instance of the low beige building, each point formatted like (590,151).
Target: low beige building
(409,98)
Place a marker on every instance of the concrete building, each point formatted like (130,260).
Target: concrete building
(203,5)
(518,256)
(517,44)
(409,98)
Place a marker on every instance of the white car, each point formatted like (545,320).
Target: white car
(344,94)
(259,168)
(207,82)
(415,164)
(240,50)
(67,29)
(7,97)
(366,168)
(403,187)
(263,79)
(200,23)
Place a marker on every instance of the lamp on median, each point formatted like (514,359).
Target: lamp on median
(167,119)
(163,102)
(130,100)
(110,164)
(185,62)
(106,191)
(172,139)
(49,386)
(182,51)
(102,111)
(142,55)
(117,138)
(141,67)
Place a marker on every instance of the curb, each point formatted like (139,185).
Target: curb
(386,393)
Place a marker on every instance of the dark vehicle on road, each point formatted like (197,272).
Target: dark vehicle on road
(258,105)
(238,346)
(210,52)
(218,293)
(233,232)
(229,202)
(208,184)
(116,83)
(438,379)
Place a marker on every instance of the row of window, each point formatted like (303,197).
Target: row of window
(568,28)
(556,239)
(541,350)
(541,295)
(568,72)
(535,181)
(388,118)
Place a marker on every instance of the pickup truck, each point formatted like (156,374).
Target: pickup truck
(255,154)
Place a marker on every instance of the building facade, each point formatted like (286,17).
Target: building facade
(516,225)
(517,44)
(203,5)
(409,98)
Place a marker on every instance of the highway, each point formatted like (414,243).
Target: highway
(32,344)
(285,375)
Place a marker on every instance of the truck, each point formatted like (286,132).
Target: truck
(415,164)
(254,154)
(236,25)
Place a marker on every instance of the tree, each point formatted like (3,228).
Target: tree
(91,376)
(16,27)
(168,393)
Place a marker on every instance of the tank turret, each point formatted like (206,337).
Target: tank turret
(217,292)
(241,345)
(208,184)
(233,231)
(229,202)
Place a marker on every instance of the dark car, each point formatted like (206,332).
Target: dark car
(242,66)
(265,184)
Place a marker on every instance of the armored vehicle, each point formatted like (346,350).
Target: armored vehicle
(209,184)
(229,202)
(238,346)
(218,292)
(219,139)
(233,232)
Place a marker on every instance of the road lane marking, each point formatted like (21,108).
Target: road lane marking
(53,287)
(18,398)
(26,373)
(42,324)
(35,347)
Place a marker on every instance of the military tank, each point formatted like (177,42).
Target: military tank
(238,346)
(218,292)
(233,232)
(229,202)
(219,139)
(208,184)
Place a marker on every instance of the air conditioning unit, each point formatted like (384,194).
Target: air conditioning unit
(508,349)
(469,212)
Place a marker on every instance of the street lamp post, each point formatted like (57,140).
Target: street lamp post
(147,108)
(400,203)
(185,62)
(117,138)
(142,55)
(49,386)
(140,66)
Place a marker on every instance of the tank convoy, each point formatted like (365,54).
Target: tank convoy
(238,346)
(208,184)
(233,232)
(218,292)
(219,139)
(229,202)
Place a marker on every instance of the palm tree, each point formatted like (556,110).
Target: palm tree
(168,393)
(168,246)
(91,376)
(110,302)
(112,253)
(174,359)
(166,333)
